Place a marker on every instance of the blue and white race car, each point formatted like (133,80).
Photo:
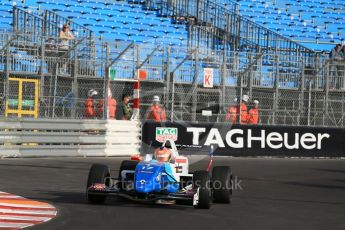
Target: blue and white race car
(162,177)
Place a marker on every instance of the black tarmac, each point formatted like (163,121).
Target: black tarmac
(271,193)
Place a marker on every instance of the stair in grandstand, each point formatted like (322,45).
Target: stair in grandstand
(205,12)
(316,24)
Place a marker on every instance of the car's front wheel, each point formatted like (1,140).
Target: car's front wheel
(99,174)
(202,184)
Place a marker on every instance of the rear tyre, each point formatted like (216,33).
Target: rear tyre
(98,174)
(202,182)
(222,184)
(126,165)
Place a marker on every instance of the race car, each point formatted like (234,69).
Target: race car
(162,177)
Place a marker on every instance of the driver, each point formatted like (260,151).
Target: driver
(163,154)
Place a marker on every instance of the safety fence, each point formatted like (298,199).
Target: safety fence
(289,90)
(44,138)
(300,98)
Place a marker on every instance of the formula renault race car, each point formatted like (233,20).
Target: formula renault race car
(162,177)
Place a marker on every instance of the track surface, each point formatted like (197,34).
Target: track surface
(276,194)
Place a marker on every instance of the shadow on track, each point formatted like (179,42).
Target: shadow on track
(80,199)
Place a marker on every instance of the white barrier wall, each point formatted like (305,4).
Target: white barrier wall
(44,138)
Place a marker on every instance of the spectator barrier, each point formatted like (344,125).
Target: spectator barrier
(247,140)
(44,138)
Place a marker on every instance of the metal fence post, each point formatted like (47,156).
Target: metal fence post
(106,81)
(223,82)
(250,76)
(240,97)
(75,87)
(309,102)
(7,70)
(54,97)
(172,75)
(301,98)
(41,71)
(195,86)
(167,76)
(326,89)
(276,92)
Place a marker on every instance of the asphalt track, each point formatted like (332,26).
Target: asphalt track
(276,194)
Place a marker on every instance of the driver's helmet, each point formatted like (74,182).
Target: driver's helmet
(162,154)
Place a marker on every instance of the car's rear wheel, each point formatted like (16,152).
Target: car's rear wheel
(99,174)
(202,182)
(126,165)
(222,184)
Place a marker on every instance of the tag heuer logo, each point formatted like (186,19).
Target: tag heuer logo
(166,133)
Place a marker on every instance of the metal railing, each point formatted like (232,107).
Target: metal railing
(34,27)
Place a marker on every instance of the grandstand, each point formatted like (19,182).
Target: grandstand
(315,24)
(267,49)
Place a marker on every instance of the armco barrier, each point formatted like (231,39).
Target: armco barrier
(38,137)
(248,140)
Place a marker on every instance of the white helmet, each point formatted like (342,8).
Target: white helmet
(92,93)
(156,98)
(256,102)
(235,100)
(245,98)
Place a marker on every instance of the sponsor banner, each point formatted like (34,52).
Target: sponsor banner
(248,140)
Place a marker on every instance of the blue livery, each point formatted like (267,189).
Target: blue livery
(154,176)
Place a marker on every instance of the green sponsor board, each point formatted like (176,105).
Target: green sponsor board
(14,102)
(163,134)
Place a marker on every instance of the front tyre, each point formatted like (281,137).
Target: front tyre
(202,184)
(222,184)
(99,174)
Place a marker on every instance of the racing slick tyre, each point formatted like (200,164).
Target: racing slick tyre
(222,184)
(126,165)
(202,182)
(98,174)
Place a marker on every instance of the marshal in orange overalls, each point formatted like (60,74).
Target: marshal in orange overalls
(111,107)
(157,113)
(89,108)
(253,117)
(244,113)
(231,114)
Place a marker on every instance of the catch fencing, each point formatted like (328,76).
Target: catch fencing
(290,90)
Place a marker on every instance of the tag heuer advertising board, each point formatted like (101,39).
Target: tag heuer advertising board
(166,133)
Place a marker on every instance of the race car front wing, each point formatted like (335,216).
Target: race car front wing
(103,190)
